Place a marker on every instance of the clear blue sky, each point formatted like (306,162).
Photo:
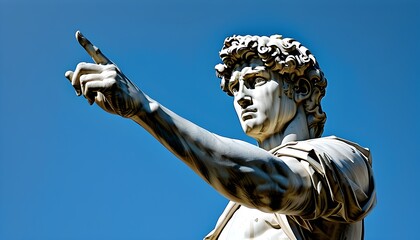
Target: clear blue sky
(70,171)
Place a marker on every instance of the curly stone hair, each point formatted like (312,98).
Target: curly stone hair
(285,56)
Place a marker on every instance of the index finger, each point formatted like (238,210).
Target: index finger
(92,50)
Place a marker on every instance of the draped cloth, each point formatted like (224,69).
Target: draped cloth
(343,193)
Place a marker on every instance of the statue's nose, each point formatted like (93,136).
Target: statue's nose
(244,101)
(242,95)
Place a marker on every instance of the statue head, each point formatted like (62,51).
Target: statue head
(292,67)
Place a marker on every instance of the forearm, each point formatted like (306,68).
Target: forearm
(242,172)
(189,142)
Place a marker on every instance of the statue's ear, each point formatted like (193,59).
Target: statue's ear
(302,90)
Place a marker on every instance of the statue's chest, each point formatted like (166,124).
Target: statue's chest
(247,223)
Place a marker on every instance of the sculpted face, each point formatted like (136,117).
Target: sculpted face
(261,107)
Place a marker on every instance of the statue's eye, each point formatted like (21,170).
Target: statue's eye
(234,87)
(259,81)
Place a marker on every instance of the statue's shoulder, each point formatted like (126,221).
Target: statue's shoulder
(332,146)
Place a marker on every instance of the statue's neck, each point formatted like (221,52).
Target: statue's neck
(296,130)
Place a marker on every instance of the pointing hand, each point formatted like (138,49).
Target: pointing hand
(103,82)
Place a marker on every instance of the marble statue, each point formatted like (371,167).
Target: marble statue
(295,184)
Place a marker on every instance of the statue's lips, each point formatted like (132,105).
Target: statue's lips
(248,113)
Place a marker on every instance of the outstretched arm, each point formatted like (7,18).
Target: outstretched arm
(242,172)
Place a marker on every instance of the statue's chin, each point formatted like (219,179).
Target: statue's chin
(252,128)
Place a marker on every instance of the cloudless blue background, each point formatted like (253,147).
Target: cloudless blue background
(71,171)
